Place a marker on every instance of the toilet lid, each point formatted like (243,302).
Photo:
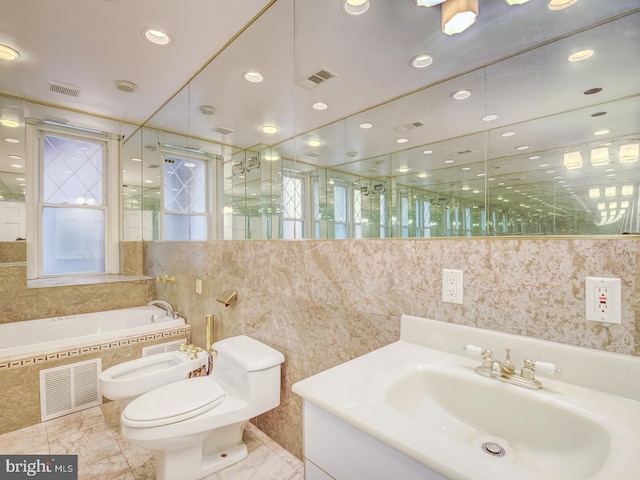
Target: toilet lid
(174,402)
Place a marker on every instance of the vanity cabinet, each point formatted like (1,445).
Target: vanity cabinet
(336,450)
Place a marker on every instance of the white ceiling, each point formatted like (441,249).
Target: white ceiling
(91,43)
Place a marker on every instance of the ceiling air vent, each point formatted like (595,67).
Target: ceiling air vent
(64,89)
(313,154)
(223,130)
(463,152)
(318,78)
(410,126)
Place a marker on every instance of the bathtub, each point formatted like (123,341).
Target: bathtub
(45,336)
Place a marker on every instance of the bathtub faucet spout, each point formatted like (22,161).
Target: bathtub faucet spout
(165,305)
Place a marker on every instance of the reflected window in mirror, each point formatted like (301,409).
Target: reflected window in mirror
(185,212)
(293,219)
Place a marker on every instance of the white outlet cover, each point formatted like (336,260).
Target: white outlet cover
(603,299)
(452,282)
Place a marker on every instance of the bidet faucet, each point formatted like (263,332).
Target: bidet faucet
(165,305)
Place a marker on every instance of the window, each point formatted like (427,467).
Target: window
(69,193)
(185,199)
(292,206)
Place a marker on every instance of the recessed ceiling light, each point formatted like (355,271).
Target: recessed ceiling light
(534,157)
(461,94)
(515,2)
(320,106)
(427,152)
(207,109)
(314,142)
(507,134)
(428,3)
(125,86)
(253,77)
(466,169)
(366,125)
(156,36)
(421,61)
(449,161)
(15,157)
(355,7)
(523,147)
(12,140)
(422,175)
(402,140)
(6,122)
(134,159)
(403,169)
(489,118)
(580,56)
(543,165)
(148,181)
(560,4)
(8,53)
(601,132)
(270,129)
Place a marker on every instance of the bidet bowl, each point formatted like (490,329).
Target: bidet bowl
(135,377)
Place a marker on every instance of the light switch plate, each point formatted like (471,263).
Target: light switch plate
(603,299)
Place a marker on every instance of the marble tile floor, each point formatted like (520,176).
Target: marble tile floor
(94,435)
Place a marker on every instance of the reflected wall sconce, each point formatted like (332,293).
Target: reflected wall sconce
(428,3)
(355,7)
(458,15)
(629,152)
(572,160)
(599,156)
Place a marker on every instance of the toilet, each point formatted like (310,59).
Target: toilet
(128,380)
(194,426)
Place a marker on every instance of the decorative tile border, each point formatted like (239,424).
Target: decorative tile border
(23,362)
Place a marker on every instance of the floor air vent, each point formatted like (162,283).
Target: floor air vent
(69,388)
(163,347)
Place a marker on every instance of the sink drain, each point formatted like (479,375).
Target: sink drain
(493,449)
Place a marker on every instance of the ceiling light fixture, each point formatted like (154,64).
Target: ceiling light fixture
(355,7)
(402,140)
(507,134)
(8,53)
(601,132)
(489,118)
(15,165)
(421,61)
(366,125)
(314,142)
(629,152)
(125,86)
(269,129)
(207,109)
(600,156)
(458,15)
(560,4)
(461,94)
(428,3)
(523,147)
(320,106)
(12,140)
(427,152)
(572,160)
(515,2)
(580,56)
(253,77)
(15,157)
(156,36)
(7,122)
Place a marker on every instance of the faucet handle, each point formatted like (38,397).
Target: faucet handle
(474,350)
(547,368)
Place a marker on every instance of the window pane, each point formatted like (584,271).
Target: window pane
(185,227)
(72,172)
(340,203)
(72,240)
(184,182)
(292,198)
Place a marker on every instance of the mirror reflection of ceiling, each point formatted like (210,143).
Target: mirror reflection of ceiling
(514,60)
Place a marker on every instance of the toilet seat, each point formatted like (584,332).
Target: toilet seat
(173,403)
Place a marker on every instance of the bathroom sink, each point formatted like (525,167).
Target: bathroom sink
(472,412)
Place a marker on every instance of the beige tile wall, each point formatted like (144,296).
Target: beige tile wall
(324,302)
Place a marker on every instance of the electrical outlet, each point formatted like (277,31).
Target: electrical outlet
(452,286)
(603,299)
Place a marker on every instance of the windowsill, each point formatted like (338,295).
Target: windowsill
(84,280)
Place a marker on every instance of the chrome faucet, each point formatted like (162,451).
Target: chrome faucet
(505,371)
(165,305)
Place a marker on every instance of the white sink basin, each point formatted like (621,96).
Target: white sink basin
(538,434)
(421,397)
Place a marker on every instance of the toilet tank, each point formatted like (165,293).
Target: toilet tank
(249,369)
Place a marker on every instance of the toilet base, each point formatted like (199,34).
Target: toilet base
(221,448)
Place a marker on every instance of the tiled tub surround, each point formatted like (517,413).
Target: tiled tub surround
(20,378)
(324,302)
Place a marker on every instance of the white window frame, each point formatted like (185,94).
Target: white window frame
(34,197)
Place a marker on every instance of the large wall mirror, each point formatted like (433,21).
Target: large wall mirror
(540,144)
